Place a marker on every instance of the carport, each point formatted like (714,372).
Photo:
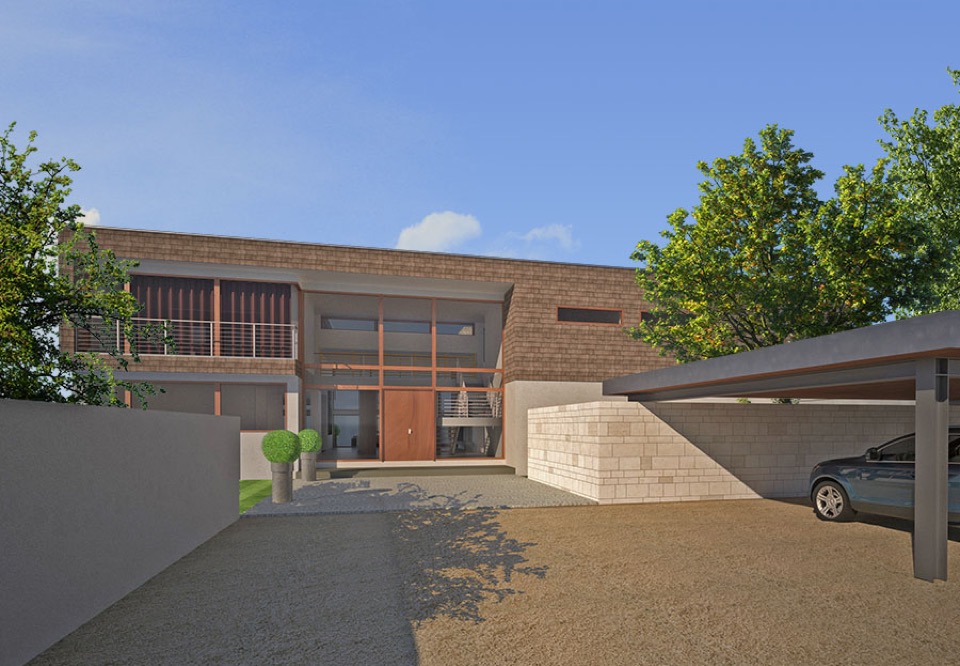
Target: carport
(915,359)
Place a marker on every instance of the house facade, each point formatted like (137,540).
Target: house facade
(395,357)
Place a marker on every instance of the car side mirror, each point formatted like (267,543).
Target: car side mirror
(873,453)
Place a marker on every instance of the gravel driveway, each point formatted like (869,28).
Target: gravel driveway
(736,582)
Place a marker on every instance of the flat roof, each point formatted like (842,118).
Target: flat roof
(490,257)
(876,362)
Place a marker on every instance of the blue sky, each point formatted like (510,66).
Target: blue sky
(551,130)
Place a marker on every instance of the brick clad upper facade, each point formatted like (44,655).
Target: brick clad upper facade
(535,347)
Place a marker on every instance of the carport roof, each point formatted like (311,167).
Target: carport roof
(877,362)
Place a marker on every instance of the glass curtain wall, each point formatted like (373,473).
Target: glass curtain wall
(357,346)
(469,420)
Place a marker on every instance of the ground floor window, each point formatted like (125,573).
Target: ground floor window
(259,406)
(181,397)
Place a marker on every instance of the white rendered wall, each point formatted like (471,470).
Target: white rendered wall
(252,463)
(656,452)
(94,501)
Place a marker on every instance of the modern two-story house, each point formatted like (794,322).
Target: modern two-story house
(395,357)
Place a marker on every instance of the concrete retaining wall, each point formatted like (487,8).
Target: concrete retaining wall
(631,452)
(94,501)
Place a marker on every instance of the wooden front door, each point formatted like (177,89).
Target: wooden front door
(409,425)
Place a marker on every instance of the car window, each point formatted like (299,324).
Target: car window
(901,450)
(955,449)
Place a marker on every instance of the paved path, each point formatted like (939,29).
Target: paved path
(378,494)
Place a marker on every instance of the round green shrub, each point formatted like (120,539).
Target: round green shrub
(309,440)
(281,446)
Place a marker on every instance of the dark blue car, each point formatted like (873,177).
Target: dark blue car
(880,481)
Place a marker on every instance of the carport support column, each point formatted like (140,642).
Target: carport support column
(930,487)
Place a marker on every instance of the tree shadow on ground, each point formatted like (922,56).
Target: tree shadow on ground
(453,558)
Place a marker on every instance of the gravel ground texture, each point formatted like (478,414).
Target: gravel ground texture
(734,582)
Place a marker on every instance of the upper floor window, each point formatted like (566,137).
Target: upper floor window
(589,316)
(390,326)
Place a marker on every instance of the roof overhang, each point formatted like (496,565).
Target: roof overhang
(877,362)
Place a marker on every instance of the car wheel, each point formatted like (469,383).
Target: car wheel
(830,502)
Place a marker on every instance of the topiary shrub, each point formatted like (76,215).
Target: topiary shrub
(309,440)
(281,446)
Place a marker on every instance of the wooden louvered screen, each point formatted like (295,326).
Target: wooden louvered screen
(254,319)
(186,303)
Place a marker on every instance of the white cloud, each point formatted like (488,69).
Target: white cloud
(439,232)
(561,234)
(90,217)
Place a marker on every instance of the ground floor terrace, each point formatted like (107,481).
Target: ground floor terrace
(736,582)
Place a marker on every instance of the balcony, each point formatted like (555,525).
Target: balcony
(197,338)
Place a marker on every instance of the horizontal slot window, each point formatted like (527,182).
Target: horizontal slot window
(393,326)
(345,324)
(454,329)
(406,326)
(589,316)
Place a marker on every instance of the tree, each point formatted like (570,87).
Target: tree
(925,164)
(761,260)
(52,272)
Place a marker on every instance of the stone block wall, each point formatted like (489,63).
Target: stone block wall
(657,452)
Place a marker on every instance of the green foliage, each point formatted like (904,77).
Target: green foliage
(310,440)
(281,446)
(924,155)
(761,260)
(52,272)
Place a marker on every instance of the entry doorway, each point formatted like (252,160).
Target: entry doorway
(409,425)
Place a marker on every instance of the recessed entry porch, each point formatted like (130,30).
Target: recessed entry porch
(403,379)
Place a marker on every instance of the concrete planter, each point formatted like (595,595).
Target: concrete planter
(308,465)
(282,482)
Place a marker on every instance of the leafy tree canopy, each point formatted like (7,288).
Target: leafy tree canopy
(763,260)
(924,154)
(52,272)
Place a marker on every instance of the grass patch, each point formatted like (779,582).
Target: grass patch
(253,491)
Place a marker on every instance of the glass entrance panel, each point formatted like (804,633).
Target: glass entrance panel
(407,378)
(342,377)
(467,379)
(342,329)
(406,332)
(348,422)
(469,334)
(469,424)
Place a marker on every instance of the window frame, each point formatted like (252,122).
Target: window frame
(619,321)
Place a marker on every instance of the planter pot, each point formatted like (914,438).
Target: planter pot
(282,482)
(308,465)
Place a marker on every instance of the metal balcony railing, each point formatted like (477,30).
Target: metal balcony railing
(470,404)
(197,338)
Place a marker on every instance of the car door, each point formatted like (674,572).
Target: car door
(887,483)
